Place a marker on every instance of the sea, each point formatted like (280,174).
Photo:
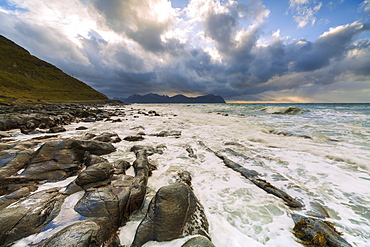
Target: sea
(317,153)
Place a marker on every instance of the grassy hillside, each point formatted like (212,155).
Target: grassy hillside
(24,77)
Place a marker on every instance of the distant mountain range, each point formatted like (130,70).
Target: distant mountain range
(26,78)
(156,98)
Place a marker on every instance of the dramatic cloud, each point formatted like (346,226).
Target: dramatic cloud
(366,6)
(304,11)
(122,47)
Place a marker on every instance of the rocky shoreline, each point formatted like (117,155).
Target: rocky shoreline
(107,196)
(110,196)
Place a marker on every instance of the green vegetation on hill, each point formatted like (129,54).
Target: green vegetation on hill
(24,77)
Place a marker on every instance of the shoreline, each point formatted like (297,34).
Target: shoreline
(176,133)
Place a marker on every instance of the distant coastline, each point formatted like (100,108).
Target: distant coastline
(156,98)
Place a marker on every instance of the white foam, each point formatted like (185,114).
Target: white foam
(335,174)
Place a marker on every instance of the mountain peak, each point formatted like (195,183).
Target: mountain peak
(179,98)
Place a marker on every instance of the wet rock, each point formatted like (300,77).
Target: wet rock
(174,212)
(185,177)
(15,196)
(95,173)
(4,134)
(108,137)
(29,130)
(275,132)
(94,159)
(88,136)
(102,202)
(12,184)
(57,129)
(315,232)
(148,149)
(138,127)
(198,241)
(118,120)
(6,146)
(97,147)
(153,113)
(190,150)
(290,110)
(317,210)
(8,124)
(96,232)
(44,137)
(134,138)
(12,160)
(253,176)
(142,169)
(29,216)
(160,148)
(141,133)
(233,144)
(174,133)
(56,160)
(121,166)
(89,120)
(121,197)
(305,136)
(269,188)
(81,128)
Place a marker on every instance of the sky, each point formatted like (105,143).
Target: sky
(293,51)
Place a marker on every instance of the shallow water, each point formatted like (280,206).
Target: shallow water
(331,169)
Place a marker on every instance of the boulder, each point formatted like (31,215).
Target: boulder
(190,150)
(94,159)
(103,202)
(96,232)
(29,216)
(95,173)
(56,160)
(57,129)
(8,124)
(12,160)
(108,137)
(119,199)
(133,138)
(174,212)
(97,147)
(93,176)
(198,241)
(121,166)
(88,136)
(174,133)
(315,232)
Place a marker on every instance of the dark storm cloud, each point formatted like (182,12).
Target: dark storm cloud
(329,46)
(221,28)
(221,54)
(132,18)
